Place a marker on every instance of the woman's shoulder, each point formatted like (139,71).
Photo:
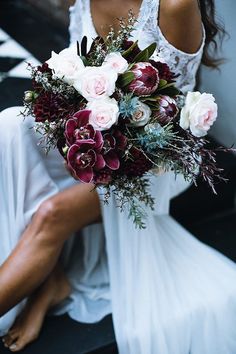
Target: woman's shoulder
(180,22)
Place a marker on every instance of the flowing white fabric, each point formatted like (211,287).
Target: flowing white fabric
(168,292)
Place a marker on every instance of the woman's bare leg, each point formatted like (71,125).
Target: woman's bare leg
(28,325)
(37,253)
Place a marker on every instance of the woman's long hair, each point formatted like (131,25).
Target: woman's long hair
(213,30)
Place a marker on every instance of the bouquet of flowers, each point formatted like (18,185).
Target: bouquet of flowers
(116,116)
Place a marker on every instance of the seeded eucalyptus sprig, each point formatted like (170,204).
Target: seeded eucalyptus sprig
(114,41)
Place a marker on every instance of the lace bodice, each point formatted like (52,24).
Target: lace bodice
(146,32)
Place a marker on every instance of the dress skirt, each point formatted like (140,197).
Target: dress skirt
(168,292)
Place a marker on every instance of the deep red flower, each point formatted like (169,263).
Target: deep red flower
(82,164)
(167,109)
(121,140)
(164,71)
(51,107)
(103,176)
(137,164)
(110,155)
(146,79)
(79,131)
(44,68)
(130,57)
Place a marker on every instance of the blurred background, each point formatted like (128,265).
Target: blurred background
(29,30)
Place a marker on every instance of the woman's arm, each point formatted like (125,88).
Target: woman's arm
(180,22)
(40,245)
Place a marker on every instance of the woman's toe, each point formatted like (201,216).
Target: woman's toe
(10,338)
(17,346)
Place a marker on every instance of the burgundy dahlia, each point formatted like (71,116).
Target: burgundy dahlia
(167,109)
(146,79)
(51,107)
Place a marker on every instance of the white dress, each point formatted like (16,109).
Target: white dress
(168,292)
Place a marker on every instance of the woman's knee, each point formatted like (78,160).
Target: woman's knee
(10,123)
(48,214)
(50,222)
(11,119)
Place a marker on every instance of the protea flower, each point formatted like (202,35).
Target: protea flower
(167,109)
(146,79)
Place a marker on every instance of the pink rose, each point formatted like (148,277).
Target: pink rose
(96,82)
(115,61)
(199,113)
(146,79)
(104,113)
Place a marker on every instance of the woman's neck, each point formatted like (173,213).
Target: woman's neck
(105,13)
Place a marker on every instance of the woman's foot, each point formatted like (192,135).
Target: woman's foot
(29,323)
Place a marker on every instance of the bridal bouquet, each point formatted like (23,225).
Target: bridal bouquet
(116,116)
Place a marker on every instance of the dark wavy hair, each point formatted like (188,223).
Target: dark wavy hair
(213,29)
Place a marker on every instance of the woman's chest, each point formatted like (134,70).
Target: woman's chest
(105,13)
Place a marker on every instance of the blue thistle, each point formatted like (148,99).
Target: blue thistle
(155,136)
(128,105)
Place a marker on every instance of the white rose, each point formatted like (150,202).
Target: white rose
(141,116)
(199,113)
(96,82)
(115,61)
(104,113)
(66,65)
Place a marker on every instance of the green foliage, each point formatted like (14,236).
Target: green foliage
(125,79)
(145,54)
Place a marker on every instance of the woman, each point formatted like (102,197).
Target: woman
(168,292)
